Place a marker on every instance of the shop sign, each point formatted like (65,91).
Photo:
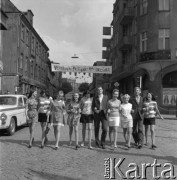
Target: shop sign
(82,69)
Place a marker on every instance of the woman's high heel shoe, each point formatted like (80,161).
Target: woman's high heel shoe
(154,146)
(77,146)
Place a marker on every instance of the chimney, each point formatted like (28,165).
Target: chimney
(29,15)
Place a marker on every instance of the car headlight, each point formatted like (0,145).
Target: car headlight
(3,118)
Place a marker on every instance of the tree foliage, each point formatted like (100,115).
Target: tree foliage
(66,87)
(83,87)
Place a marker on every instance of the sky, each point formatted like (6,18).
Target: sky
(70,27)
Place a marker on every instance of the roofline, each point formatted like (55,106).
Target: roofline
(29,23)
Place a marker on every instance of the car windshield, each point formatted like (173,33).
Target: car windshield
(8,100)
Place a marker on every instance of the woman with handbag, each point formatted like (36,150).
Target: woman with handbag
(58,113)
(74,118)
(32,114)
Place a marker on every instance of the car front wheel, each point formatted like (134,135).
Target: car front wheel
(12,127)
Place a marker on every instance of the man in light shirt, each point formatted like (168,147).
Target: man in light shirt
(99,107)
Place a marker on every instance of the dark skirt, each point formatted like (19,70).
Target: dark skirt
(149,121)
(42,117)
(86,118)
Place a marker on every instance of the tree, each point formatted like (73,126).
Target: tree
(83,87)
(66,87)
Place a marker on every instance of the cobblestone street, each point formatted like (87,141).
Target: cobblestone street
(20,162)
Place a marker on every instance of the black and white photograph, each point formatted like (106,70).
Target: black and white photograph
(88,89)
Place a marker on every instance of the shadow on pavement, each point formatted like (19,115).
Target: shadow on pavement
(48,176)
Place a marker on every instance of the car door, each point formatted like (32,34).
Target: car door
(21,111)
(25,109)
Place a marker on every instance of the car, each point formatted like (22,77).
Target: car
(12,112)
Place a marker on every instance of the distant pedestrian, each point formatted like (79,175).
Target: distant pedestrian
(99,107)
(113,116)
(86,117)
(58,112)
(137,104)
(43,116)
(32,114)
(126,119)
(150,110)
(74,118)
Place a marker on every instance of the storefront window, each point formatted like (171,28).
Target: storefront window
(170,89)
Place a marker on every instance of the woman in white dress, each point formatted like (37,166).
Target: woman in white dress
(113,116)
(126,119)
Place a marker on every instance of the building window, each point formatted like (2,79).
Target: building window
(36,47)
(23,32)
(164,39)
(164,5)
(32,43)
(31,69)
(143,7)
(143,42)
(39,50)
(26,67)
(27,37)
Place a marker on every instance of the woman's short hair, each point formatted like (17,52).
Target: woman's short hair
(126,96)
(115,90)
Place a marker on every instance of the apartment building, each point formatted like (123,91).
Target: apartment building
(24,53)
(144,49)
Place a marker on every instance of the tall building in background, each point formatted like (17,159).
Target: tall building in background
(144,51)
(24,53)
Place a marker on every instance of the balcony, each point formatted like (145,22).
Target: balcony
(158,55)
(126,43)
(106,43)
(105,54)
(127,16)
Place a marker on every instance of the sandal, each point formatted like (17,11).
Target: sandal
(56,148)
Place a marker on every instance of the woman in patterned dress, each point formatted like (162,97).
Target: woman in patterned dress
(58,113)
(74,118)
(113,116)
(43,115)
(150,110)
(32,114)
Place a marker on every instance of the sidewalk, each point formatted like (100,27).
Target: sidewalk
(168,116)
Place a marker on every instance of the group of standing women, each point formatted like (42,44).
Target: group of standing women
(113,113)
